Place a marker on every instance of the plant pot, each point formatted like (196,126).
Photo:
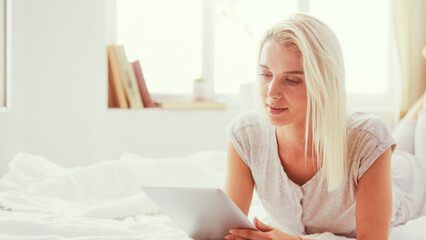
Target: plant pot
(201,91)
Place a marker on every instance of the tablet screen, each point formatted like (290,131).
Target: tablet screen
(202,213)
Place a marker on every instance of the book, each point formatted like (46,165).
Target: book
(193,105)
(143,89)
(117,93)
(130,82)
(112,102)
(127,75)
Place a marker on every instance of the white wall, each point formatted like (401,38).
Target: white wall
(11,119)
(59,94)
(64,70)
(60,82)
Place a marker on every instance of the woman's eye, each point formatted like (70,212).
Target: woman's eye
(292,81)
(265,74)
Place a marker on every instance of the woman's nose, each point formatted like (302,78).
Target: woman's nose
(274,89)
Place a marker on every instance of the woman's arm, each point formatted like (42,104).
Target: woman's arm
(374,200)
(239,181)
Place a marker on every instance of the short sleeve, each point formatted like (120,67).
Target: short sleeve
(240,134)
(372,140)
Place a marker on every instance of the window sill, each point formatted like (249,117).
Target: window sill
(185,102)
(152,113)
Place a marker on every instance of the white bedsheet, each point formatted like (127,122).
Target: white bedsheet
(41,200)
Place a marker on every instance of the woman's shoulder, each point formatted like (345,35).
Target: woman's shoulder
(362,123)
(247,119)
(251,127)
(368,138)
(248,133)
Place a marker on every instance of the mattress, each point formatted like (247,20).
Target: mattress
(42,200)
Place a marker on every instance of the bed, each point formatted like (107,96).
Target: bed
(42,200)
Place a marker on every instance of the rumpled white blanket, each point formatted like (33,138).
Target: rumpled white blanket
(42,200)
(109,189)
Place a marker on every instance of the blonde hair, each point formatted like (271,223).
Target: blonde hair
(326,99)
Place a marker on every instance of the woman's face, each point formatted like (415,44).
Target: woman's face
(282,85)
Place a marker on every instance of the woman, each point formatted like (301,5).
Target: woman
(315,167)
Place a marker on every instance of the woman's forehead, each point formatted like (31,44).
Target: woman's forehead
(275,56)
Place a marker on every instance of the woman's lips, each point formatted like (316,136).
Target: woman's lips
(273,110)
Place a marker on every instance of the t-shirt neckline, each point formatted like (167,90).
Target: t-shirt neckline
(277,160)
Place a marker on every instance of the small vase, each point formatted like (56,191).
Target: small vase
(201,91)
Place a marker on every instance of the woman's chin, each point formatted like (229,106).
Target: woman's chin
(277,121)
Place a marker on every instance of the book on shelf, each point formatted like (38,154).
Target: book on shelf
(143,89)
(117,97)
(112,101)
(193,105)
(123,70)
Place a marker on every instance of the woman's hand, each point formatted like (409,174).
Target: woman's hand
(264,232)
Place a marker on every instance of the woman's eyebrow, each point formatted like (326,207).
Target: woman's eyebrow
(289,72)
(295,72)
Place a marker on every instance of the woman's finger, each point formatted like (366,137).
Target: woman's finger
(261,226)
(232,237)
(239,238)
(247,234)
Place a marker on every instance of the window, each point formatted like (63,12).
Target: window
(2,53)
(172,42)
(364,40)
(169,41)
(239,27)
(166,36)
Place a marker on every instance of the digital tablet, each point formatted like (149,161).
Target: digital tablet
(202,213)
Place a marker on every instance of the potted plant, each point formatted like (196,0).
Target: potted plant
(201,89)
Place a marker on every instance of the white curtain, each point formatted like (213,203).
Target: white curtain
(410,29)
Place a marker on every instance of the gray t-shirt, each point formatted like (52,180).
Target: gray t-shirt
(309,208)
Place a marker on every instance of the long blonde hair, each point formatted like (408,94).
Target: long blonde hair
(326,98)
